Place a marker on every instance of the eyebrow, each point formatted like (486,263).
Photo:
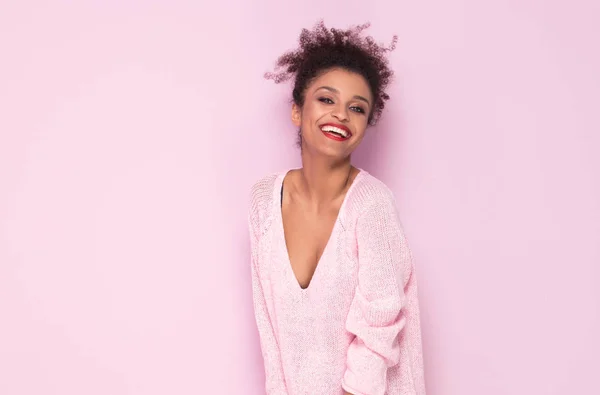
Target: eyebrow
(329,88)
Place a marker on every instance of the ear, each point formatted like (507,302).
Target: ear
(296,115)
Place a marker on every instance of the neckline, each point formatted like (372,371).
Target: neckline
(279,208)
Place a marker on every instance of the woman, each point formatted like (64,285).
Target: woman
(335,293)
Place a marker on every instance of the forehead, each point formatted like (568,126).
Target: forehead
(347,82)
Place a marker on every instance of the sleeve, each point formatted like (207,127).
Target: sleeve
(377,313)
(274,379)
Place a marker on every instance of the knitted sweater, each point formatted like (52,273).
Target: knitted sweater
(356,327)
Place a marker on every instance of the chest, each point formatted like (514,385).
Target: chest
(317,277)
(307,236)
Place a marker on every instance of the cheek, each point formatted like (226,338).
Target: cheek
(359,137)
(313,110)
(361,127)
(360,133)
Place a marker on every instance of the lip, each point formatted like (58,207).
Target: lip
(334,137)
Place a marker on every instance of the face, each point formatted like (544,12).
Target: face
(335,113)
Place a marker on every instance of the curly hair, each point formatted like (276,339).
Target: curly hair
(322,49)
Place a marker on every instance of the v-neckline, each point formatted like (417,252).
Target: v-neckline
(279,209)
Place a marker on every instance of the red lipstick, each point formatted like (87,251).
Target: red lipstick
(336,131)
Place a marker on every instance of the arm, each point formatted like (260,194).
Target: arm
(274,379)
(376,315)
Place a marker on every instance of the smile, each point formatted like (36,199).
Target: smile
(336,132)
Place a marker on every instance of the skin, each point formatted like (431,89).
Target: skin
(314,193)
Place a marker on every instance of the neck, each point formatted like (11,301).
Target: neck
(323,180)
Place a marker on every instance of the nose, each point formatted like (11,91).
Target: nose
(340,112)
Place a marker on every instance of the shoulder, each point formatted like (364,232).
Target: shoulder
(369,193)
(373,189)
(261,192)
(368,199)
(261,200)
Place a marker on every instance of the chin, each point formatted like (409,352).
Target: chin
(334,152)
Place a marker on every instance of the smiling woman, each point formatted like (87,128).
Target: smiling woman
(335,291)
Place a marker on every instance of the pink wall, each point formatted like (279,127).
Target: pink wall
(130,134)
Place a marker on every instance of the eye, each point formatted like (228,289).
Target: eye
(358,109)
(326,100)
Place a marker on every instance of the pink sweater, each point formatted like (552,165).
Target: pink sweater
(356,327)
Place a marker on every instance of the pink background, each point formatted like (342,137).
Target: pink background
(130,133)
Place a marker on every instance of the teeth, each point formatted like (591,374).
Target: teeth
(333,129)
